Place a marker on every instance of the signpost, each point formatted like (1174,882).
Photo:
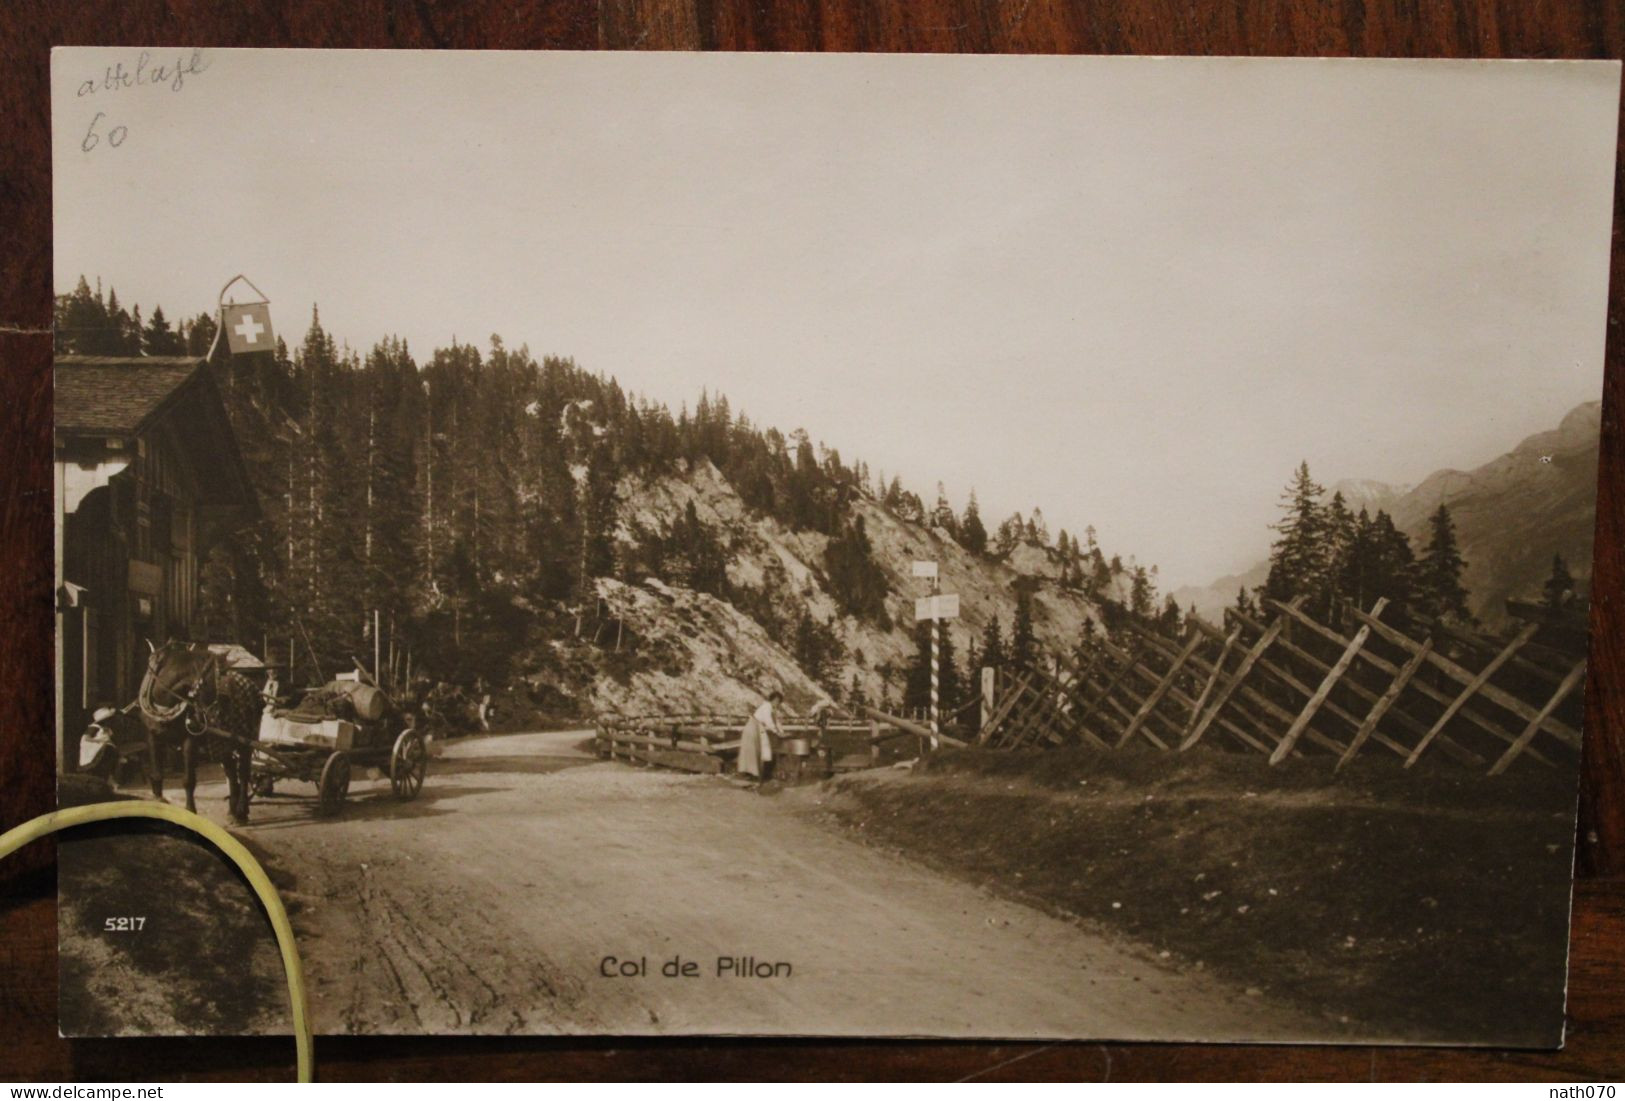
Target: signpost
(936,608)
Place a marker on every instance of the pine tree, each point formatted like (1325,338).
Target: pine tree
(819,651)
(1088,642)
(1298,556)
(158,339)
(199,336)
(1009,535)
(856,701)
(893,497)
(705,563)
(1393,565)
(917,679)
(1356,565)
(856,581)
(82,324)
(1023,643)
(917,688)
(1037,530)
(1100,573)
(993,652)
(603,512)
(1440,594)
(972,534)
(1559,587)
(1340,535)
(1171,620)
(1142,593)
(125,331)
(973,685)
(942,515)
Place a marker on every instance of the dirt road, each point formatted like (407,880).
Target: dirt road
(492,904)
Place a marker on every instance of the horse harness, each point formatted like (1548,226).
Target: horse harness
(200,718)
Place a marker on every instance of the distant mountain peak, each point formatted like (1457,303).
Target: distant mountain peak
(1367,493)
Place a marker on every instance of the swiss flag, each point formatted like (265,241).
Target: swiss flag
(248,327)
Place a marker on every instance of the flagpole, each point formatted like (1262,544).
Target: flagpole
(219,324)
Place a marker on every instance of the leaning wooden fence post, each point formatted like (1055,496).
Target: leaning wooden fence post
(1017,689)
(1570,682)
(1384,702)
(1073,706)
(1333,675)
(1212,679)
(1271,633)
(1490,692)
(1161,690)
(1129,659)
(1472,688)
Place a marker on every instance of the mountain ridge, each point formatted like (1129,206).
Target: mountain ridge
(1511,515)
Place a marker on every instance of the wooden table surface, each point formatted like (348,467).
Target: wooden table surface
(29,1046)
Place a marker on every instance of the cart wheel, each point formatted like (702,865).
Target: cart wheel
(408,764)
(335,782)
(264,785)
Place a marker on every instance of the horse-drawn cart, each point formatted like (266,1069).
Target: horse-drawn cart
(345,724)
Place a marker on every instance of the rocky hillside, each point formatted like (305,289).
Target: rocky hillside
(684,650)
(1512,514)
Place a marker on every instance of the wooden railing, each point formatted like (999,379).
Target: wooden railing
(707,743)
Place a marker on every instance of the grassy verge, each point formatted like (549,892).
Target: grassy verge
(205,959)
(1426,905)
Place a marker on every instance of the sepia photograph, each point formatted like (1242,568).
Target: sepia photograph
(827,545)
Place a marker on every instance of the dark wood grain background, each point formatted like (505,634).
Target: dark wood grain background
(29,1045)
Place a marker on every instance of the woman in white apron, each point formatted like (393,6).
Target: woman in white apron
(755,748)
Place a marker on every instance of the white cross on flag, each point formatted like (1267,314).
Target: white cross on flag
(248,327)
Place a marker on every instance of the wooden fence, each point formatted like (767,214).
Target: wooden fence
(710,743)
(1285,685)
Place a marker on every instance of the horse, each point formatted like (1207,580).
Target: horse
(187,693)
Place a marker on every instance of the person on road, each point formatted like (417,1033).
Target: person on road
(755,746)
(821,712)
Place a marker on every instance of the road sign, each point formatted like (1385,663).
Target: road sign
(925,569)
(939,606)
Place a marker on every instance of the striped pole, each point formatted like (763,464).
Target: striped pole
(936,663)
(930,608)
(936,674)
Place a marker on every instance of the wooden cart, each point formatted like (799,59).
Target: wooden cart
(323,751)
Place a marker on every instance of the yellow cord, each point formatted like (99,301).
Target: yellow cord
(14,839)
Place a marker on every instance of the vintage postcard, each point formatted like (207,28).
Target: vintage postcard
(828,545)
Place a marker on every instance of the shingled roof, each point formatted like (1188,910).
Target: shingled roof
(128,395)
(117,394)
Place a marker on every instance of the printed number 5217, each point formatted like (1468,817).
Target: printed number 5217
(125,924)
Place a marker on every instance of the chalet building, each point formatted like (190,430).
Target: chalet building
(148,478)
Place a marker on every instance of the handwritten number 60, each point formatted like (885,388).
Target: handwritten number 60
(115,136)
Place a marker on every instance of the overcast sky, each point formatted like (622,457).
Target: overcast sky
(1135,292)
